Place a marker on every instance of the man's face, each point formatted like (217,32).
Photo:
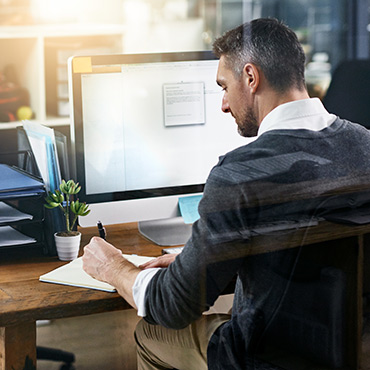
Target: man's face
(237,100)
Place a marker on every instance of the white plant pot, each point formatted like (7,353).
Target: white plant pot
(67,246)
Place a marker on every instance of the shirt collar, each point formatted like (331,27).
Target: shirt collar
(308,114)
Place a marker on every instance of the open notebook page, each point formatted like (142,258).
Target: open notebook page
(73,274)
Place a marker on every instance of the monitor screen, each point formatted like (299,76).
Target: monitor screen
(146,129)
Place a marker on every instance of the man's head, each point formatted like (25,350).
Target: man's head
(261,54)
(268,44)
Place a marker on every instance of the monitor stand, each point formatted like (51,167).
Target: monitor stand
(166,232)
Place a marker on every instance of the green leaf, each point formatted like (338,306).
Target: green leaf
(85,213)
(63,187)
(79,208)
(73,207)
(69,187)
(55,197)
(51,205)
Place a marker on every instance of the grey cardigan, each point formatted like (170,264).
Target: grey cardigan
(239,195)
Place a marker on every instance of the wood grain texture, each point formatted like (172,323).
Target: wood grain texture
(24,298)
(18,347)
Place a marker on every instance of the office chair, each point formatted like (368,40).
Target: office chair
(45,353)
(348,95)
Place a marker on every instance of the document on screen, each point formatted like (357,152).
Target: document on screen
(184,104)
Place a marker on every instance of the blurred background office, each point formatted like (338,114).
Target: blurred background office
(38,36)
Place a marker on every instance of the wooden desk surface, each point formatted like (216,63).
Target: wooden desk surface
(24,298)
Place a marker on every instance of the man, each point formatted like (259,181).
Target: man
(261,71)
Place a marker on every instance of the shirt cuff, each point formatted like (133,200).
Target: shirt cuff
(139,288)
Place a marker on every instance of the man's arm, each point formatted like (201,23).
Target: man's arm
(104,262)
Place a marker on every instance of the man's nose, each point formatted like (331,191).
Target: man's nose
(225,107)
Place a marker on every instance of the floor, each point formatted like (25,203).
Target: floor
(105,341)
(366,346)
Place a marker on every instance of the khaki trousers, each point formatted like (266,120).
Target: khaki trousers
(185,349)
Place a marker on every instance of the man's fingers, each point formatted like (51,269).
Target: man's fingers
(162,261)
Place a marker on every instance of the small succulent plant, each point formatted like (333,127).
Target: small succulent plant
(63,198)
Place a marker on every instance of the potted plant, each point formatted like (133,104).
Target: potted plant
(67,241)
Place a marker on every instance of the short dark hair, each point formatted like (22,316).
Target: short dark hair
(270,45)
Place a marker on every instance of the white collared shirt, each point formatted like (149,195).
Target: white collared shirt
(308,114)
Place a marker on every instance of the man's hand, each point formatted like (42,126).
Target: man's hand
(162,261)
(100,258)
(104,262)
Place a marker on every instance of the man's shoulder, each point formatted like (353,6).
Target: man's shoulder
(260,147)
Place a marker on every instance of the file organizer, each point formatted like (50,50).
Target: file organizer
(54,220)
(21,209)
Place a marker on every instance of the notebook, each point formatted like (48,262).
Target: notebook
(73,274)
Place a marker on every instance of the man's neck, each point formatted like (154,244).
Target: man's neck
(272,99)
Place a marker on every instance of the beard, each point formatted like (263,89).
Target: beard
(249,124)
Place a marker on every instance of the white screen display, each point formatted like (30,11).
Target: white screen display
(154,125)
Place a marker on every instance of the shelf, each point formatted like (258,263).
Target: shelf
(38,56)
(32,227)
(21,222)
(49,122)
(9,125)
(57,121)
(62,30)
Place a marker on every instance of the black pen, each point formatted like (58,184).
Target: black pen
(101,230)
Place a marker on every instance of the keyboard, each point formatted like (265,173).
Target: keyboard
(172,250)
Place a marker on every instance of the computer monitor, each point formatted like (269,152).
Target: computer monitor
(146,129)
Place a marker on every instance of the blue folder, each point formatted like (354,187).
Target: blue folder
(16,182)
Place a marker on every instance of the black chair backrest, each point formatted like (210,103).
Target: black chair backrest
(348,95)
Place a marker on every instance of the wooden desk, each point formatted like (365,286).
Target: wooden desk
(23,299)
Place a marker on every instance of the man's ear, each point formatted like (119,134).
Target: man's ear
(252,76)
